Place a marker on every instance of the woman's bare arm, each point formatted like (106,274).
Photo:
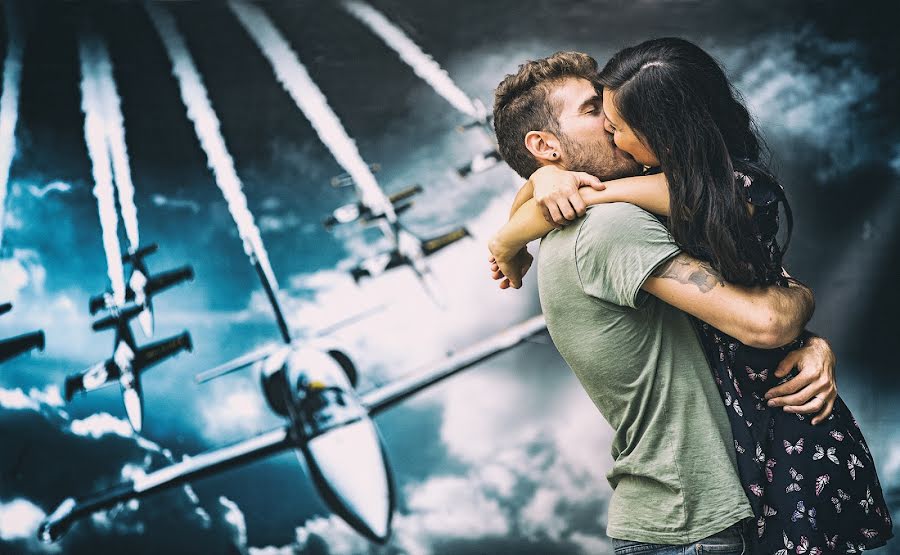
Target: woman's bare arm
(650,192)
(527,222)
(525,193)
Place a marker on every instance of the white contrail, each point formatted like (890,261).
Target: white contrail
(206,125)
(115,137)
(421,63)
(309,98)
(95,136)
(9,104)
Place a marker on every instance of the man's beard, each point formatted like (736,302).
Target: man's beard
(598,159)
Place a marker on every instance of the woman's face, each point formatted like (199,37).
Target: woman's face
(624,137)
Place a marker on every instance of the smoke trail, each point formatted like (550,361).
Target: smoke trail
(297,82)
(9,104)
(115,136)
(422,64)
(95,136)
(206,125)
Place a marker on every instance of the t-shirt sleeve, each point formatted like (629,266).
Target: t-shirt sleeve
(618,247)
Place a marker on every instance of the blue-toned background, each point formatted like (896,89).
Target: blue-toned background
(509,457)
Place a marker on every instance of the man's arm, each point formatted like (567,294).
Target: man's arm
(764,317)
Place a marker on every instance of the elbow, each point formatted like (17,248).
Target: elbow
(771,331)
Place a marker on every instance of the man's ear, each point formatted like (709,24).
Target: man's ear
(544,146)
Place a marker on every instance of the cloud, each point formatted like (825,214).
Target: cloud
(589,545)
(235,517)
(421,330)
(14,277)
(52,187)
(807,87)
(163,201)
(101,451)
(19,519)
(233,411)
(537,473)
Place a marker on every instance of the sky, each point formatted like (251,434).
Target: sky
(508,457)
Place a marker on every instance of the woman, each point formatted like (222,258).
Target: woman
(668,104)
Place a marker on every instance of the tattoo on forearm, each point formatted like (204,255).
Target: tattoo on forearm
(689,270)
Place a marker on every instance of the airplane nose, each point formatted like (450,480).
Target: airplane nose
(349,469)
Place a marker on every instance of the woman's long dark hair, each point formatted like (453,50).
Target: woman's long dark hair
(677,100)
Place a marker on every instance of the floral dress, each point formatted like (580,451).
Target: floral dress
(813,489)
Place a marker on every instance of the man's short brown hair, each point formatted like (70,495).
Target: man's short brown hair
(522,103)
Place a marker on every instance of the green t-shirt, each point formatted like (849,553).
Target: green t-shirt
(674,476)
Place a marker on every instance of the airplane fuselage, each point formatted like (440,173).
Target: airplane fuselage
(337,438)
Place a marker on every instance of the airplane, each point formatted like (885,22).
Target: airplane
(480,162)
(328,424)
(142,286)
(127,363)
(357,211)
(15,346)
(344,179)
(407,249)
(489,158)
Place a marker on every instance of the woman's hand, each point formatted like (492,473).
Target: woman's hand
(509,264)
(556,193)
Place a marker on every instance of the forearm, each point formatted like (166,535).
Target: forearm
(764,317)
(525,225)
(526,192)
(787,310)
(650,192)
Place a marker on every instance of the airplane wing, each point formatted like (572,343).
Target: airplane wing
(70,510)
(15,346)
(155,284)
(125,313)
(5,307)
(431,246)
(392,393)
(405,193)
(155,353)
(237,363)
(164,280)
(480,163)
(138,255)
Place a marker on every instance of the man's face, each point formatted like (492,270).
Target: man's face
(586,145)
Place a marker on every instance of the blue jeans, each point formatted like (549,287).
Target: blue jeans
(729,541)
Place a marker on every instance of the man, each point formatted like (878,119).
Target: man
(616,292)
